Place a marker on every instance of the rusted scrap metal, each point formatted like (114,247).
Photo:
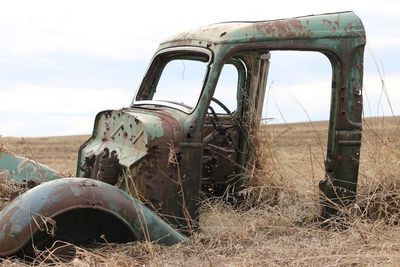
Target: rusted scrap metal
(166,153)
(79,209)
(22,170)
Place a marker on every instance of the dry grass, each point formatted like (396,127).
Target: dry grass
(379,195)
(7,188)
(277,227)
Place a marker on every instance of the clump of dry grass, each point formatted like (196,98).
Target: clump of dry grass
(379,194)
(7,188)
(2,145)
(266,178)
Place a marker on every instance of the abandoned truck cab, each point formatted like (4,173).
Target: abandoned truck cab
(188,130)
(177,137)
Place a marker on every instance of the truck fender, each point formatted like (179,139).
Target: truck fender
(79,210)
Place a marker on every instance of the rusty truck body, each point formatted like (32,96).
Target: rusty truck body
(167,149)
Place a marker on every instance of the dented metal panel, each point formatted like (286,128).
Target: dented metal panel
(143,140)
(29,214)
(131,133)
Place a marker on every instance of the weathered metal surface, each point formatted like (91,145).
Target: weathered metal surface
(130,132)
(142,140)
(27,215)
(326,26)
(22,170)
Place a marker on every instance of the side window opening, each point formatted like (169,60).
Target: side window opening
(226,90)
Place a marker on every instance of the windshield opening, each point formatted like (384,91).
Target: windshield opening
(174,79)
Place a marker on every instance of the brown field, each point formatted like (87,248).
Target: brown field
(279,226)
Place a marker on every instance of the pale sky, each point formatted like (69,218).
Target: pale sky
(61,62)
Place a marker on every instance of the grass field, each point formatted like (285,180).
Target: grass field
(278,227)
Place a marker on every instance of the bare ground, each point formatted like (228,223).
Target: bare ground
(278,227)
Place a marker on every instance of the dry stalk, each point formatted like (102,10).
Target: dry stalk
(173,160)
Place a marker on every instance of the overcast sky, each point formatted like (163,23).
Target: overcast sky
(63,61)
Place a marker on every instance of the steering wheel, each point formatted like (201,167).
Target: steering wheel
(220,130)
(218,126)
